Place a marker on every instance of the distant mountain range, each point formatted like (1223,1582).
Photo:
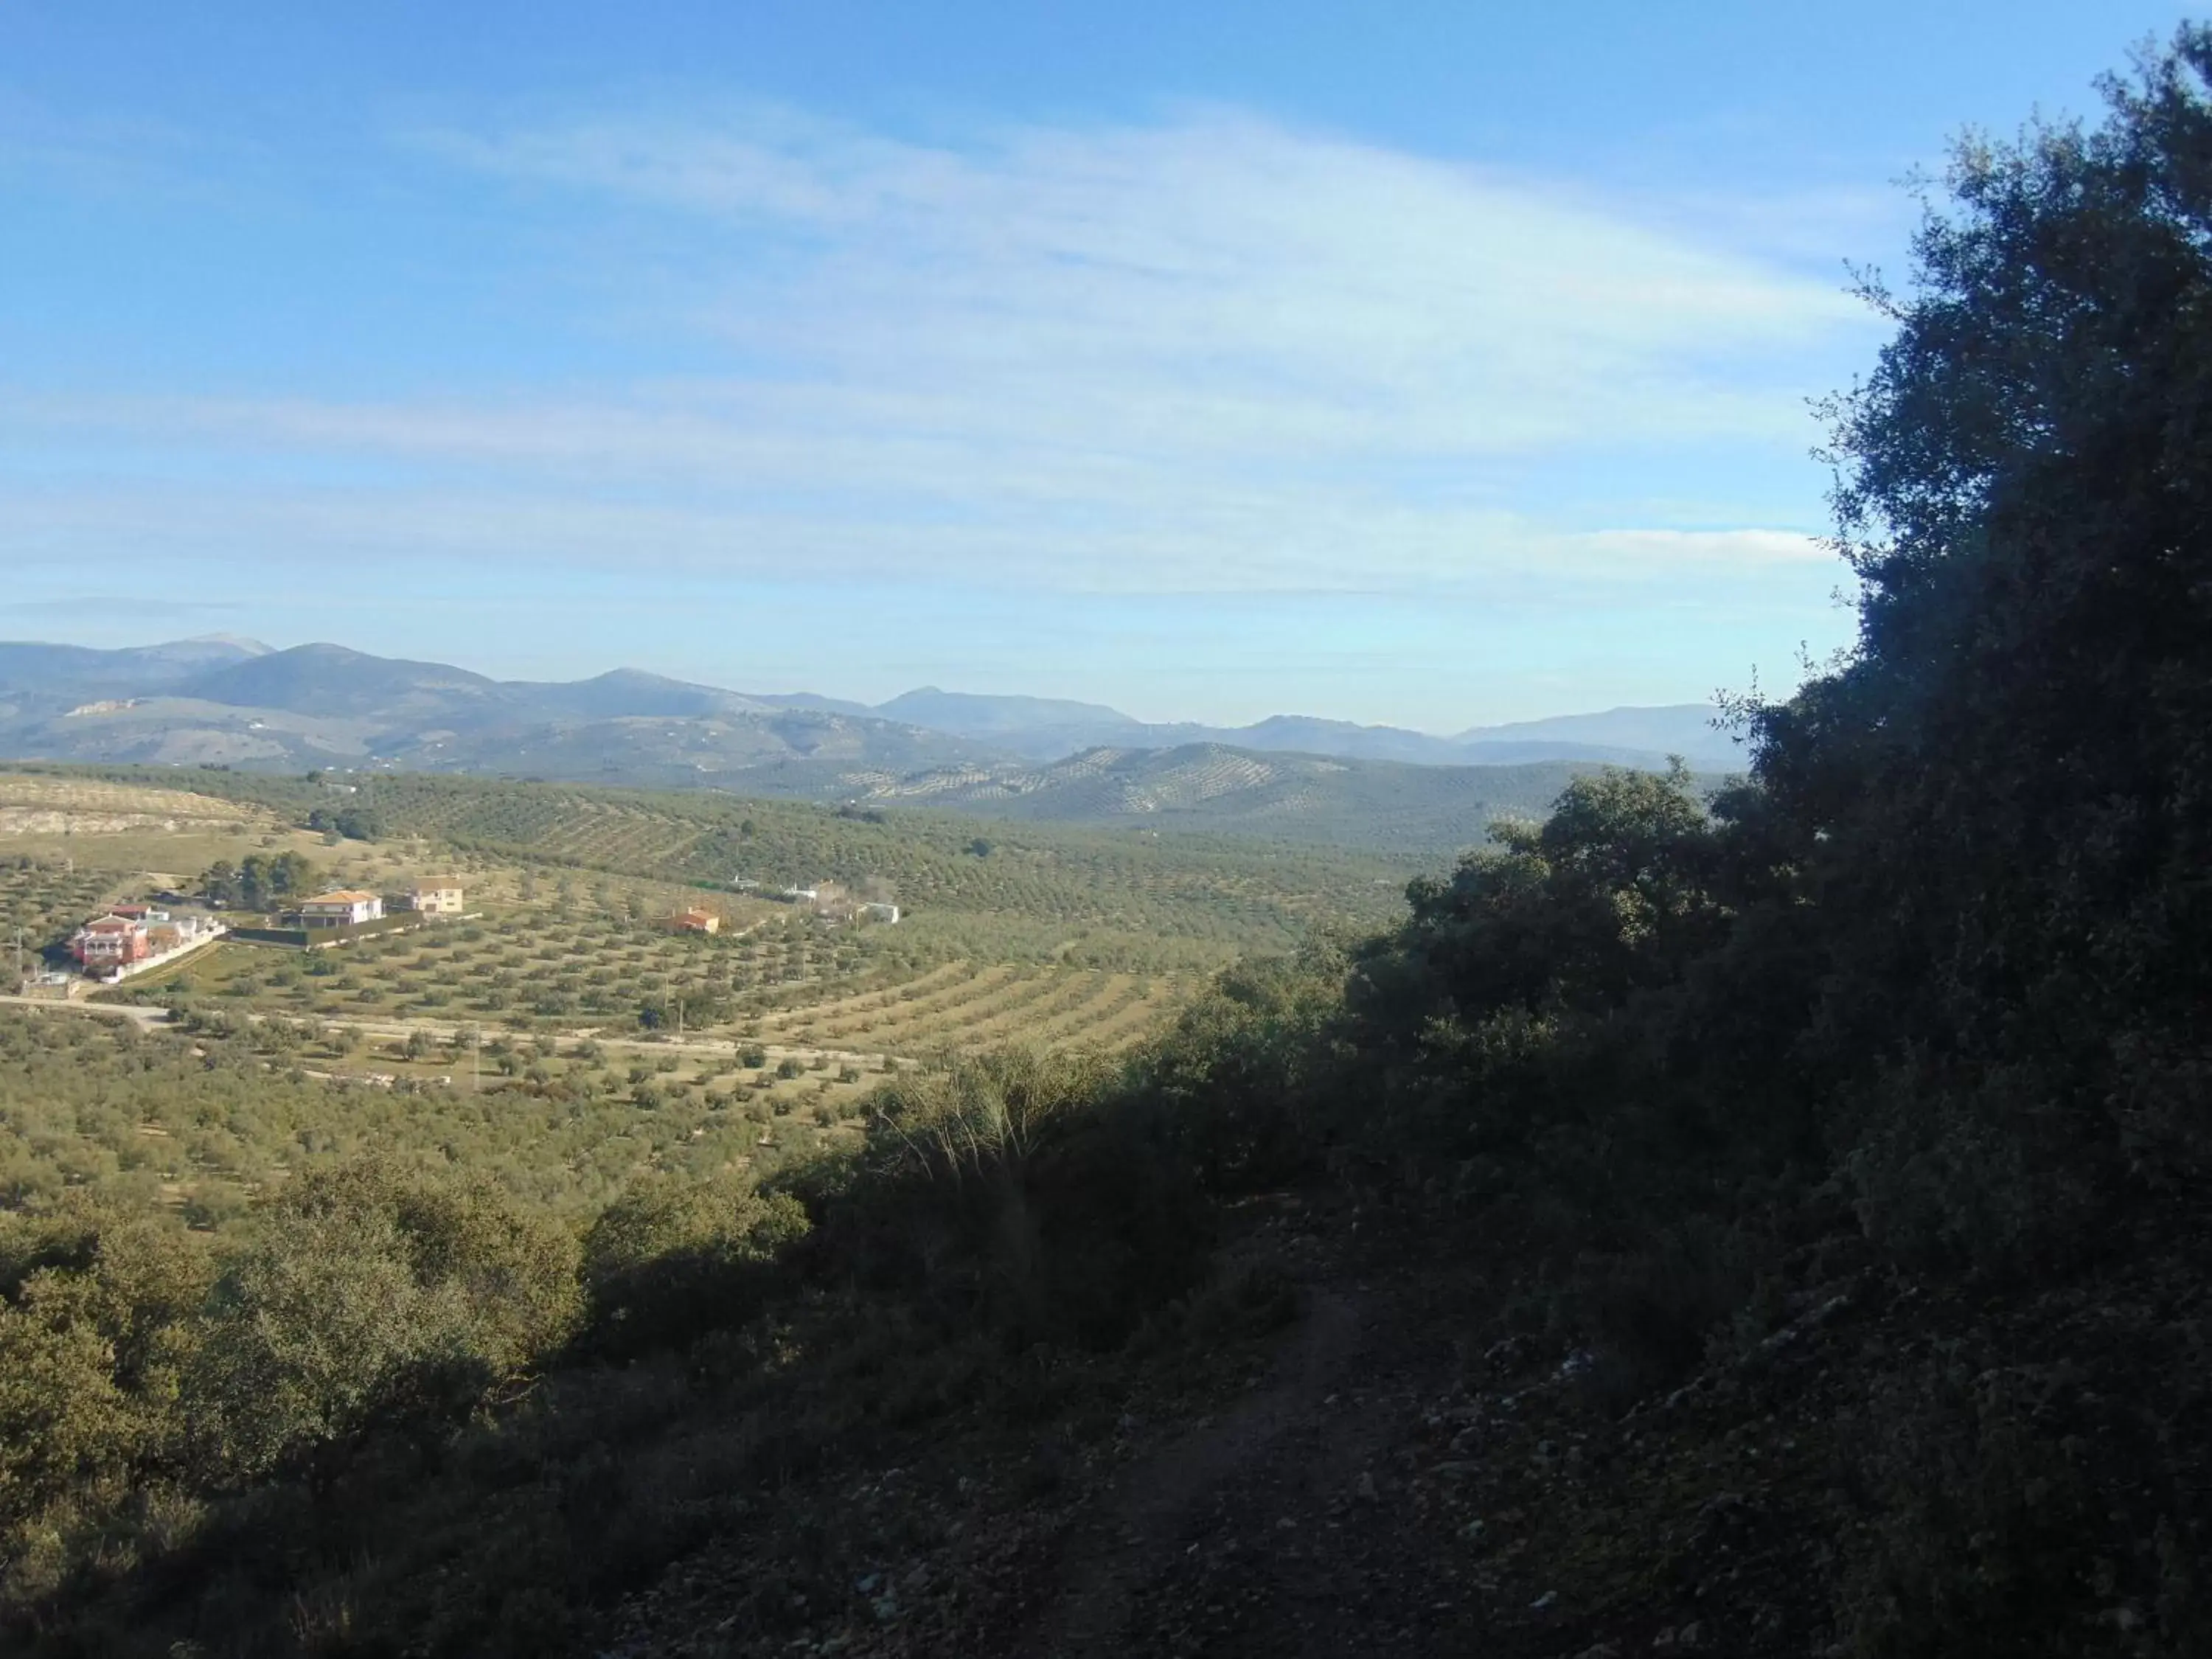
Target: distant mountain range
(235,703)
(1045,729)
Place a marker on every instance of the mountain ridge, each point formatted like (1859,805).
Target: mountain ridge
(322,706)
(334,681)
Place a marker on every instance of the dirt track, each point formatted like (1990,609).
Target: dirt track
(1160,1511)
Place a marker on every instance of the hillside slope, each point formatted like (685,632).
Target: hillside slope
(328,708)
(1214,788)
(379,703)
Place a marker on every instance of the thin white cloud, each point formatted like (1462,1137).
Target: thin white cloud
(1255,542)
(1220,281)
(1209,354)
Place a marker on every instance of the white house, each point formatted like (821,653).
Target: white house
(343,908)
(436,896)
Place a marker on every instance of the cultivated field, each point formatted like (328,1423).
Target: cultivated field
(564,984)
(199,1121)
(76,806)
(1137,886)
(778,978)
(41,900)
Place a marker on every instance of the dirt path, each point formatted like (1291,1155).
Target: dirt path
(144,1018)
(1298,1524)
(1294,1495)
(1163,1502)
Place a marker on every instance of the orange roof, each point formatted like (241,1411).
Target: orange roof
(344,896)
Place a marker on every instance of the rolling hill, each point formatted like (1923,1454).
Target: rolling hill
(1214,788)
(1294,778)
(1050,729)
(76,672)
(324,706)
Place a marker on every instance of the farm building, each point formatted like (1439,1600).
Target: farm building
(343,908)
(695,921)
(434,896)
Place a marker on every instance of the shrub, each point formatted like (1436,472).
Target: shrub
(373,1294)
(671,1259)
(1025,1191)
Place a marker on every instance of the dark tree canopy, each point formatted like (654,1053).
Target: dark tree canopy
(2005,795)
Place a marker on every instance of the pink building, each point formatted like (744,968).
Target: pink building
(111,942)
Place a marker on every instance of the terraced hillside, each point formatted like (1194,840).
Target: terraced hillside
(1031,934)
(1058,887)
(560,1030)
(1305,799)
(87,806)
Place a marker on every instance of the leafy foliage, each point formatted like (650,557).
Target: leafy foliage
(259,882)
(671,1259)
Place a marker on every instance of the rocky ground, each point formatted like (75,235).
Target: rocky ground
(1380,1472)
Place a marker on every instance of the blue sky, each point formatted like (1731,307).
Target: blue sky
(1433,364)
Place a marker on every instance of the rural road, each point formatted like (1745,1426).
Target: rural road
(144,1018)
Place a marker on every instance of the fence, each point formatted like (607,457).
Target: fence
(132,969)
(320,939)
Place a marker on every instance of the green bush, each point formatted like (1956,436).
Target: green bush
(671,1259)
(373,1294)
(1025,1192)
